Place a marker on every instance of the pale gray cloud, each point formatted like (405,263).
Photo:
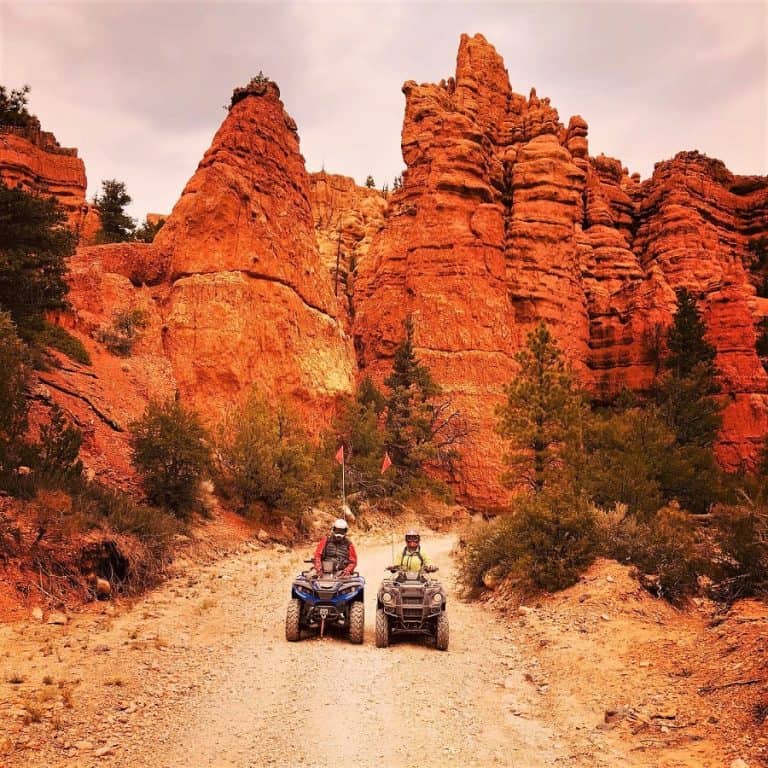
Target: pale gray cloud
(139,87)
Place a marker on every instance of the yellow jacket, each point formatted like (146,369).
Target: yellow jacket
(412,561)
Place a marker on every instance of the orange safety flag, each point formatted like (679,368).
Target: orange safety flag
(386,464)
(340,455)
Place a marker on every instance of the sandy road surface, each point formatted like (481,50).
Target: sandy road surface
(199,674)
(328,703)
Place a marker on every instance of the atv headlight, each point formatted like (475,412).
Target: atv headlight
(437,598)
(386,598)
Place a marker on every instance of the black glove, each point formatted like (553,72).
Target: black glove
(430,568)
(393,568)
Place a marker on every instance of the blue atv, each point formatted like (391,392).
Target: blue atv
(327,599)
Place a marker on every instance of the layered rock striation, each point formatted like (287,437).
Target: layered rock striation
(33,159)
(505,219)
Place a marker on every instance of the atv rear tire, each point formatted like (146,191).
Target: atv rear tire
(293,621)
(382,629)
(441,636)
(356,622)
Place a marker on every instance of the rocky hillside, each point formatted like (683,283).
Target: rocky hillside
(503,218)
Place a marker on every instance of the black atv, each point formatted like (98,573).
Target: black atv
(411,603)
(327,599)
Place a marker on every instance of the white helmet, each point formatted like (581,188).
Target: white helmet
(339,529)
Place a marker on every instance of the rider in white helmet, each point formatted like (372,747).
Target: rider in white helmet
(336,546)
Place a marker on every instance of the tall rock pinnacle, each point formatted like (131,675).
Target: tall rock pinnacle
(250,304)
(504,219)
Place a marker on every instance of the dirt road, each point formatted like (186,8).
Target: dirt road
(199,674)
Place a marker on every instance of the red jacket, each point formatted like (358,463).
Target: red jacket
(351,565)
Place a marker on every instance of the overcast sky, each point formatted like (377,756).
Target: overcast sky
(139,87)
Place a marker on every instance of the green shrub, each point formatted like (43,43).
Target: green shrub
(743,538)
(13,384)
(58,451)
(171,454)
(59,338)
(626,452)
(102,505)
(667,549)
(544,543)
(264,458)
(120,337)
(50,464)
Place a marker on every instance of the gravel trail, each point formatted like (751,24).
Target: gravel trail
(199,674)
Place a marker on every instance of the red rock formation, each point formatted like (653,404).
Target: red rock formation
(33,159)
(694,221)
(232,292)
(250,303)
(479,244)
(505,219)
(346,219)
(103,399)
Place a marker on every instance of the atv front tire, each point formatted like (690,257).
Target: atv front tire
(441,636)
(382,629)
(356,622)
(293,621)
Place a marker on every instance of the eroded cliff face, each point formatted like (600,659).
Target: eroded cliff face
(250,303)
(505,219)
(232,295)
(33,159)
(346,219)
(694,222)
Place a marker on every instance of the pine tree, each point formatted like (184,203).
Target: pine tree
(357,428)
(116,225)
(543,413)
(34,246)
(685,392)
(409,417)
(688,349)
(13,107)
(424,429)
(147,231)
